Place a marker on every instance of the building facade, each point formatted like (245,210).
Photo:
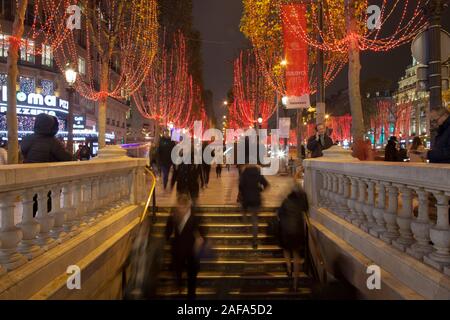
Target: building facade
(39,75)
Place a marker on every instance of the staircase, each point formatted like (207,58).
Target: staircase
(237,271)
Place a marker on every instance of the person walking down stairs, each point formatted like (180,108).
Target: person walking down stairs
(251,184)
(186,244)
(291,228)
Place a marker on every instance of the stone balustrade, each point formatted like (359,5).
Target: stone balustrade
(44,205)
(405,205)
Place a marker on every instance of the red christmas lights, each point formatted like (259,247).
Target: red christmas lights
(168,92)
(253,97)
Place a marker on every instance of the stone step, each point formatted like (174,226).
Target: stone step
(228,280)
(240,265)
(244,251)
(215,239)
(232,217)
(216,209)
(232,227)
(207,293)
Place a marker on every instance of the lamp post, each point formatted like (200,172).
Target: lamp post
(71,77)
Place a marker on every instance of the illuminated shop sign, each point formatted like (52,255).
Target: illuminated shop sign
(79,122)
(33,104)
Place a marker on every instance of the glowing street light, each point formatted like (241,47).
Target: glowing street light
(225,103)
(170,125)
(327,116)
(285,100)
(284,62)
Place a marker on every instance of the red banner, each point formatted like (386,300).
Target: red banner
(296,52)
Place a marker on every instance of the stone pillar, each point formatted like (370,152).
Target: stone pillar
(10,235)
(390,217)
(60,216)
(71,224)
(345,197)
(379,211)
(352,201)
(360,203)
(404,220)
(420,227)
(46,222)
(30,228)
(369,207)
(440,234)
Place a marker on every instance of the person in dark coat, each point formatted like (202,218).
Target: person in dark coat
(292,235)
(165,148)
(319,142)
(251,184)
(440,153)
(188,177)
(42,146)
(186,243)
(391,152)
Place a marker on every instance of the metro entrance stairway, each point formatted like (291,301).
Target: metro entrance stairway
(237,271)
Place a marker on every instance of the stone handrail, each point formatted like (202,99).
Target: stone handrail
(406,205)
(80,194)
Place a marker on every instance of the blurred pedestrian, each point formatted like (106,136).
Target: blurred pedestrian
(440,153)
(84,152)
(188,178)
(165,148)
(3,154)
(187,243)
(292,235)
(218,170)
(319,142)
(251,184)
(417,152)
(391,152)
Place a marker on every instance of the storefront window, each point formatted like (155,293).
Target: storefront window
(4,45)
(27,85)
(27,51)
(81,66)
(47,56)
(47,88)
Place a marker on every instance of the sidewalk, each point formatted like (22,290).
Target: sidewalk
(223,191)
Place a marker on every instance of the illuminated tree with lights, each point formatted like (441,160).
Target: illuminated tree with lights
(345,30)
(49,29)
(119,34)
(262,24)
(168,92)
(253,97)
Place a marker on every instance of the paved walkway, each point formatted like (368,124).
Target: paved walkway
(223,191)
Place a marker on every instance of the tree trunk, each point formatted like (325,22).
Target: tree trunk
(354,72)
(102,104)
(13,57)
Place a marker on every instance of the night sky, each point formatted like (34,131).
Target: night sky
(218,22)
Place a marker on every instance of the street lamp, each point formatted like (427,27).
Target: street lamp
(285,100)
(284,62)
(260,121)
(225,103)
(71,77)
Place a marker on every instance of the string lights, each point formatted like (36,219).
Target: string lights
(117,34)
(253,97)
(169,93)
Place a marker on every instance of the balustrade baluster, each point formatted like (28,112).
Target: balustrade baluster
(30,228)
(440,234)
(46,221)
(369,206)
(352,201)
(345,197)
(404,219)
(390,216)
(70,225)
(60,216)
(360,203)
(323,190)
(420,227)
(10,235)
(379,211)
